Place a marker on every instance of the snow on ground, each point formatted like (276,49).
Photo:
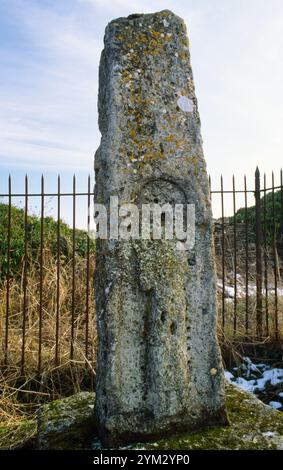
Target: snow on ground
(275,404)
(261,379)
(229,291)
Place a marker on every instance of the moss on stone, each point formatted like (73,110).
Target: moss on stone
(67,424)
(253,426)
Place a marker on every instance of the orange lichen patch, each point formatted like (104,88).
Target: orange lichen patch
(183,55)
(151,156)
(141,48)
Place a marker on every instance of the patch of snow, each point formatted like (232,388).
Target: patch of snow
(165,23)
(185,104)
(262,366)
(250,382)
(268,434)
(274,376)
(257,378)
(250,367)
(275,404)
(229,376)
(229,291)
(247,385)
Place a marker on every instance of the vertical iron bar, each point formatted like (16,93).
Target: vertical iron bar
(6,353)
(275,260)
(223,254)
(265,260)
(281,235)
(73,269)
(87,270)
(58,277)
(235,257)
(25,277)
(247,257)
(41,276)
(258,255)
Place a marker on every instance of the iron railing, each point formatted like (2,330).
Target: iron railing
(249,254)
(25,286)
(47,306)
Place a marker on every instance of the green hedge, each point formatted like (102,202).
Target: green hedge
(17,240)
(271,228)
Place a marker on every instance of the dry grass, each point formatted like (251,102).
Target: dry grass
(22,391)
(243,339)
(21,394)
(48,334)
(236,345)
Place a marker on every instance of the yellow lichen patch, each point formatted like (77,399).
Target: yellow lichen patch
(194,159)
(140,71)
(133,133)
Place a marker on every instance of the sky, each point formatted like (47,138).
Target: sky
(49,56)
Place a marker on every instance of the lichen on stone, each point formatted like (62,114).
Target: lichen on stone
(156,347)
(149,55)
(253,426)
(67,423)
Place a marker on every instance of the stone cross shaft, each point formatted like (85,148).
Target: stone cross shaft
(158,366)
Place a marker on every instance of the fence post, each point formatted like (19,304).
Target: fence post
(281,235)
(275,260)
(259,239)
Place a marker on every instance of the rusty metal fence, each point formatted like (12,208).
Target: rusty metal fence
(46,270)
(249,258)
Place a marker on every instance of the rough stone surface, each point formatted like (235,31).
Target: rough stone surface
(67,423)
(253,425)
(158,368)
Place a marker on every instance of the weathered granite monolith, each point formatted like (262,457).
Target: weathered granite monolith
(158,367)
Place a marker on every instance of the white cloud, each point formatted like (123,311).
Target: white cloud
(133,5)
(48,110)
(48,91)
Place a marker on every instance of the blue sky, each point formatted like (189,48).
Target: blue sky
(49,55)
